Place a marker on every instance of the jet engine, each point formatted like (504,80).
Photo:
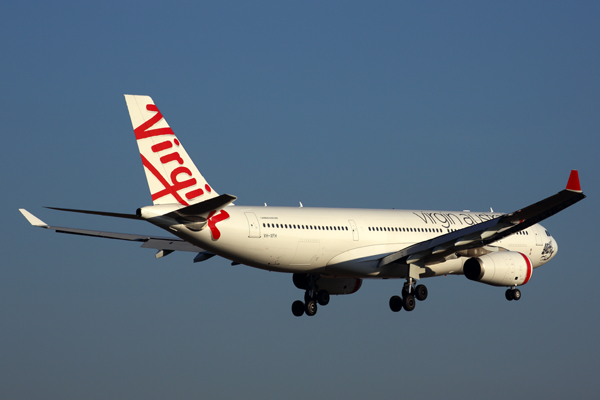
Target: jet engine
(502,268)
(332,285)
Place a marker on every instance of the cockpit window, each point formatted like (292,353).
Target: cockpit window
(547,233)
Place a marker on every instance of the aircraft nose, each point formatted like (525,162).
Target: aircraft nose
(552,247)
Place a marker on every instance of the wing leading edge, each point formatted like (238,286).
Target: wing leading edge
(436,250)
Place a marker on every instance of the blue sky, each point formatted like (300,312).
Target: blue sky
(425,105)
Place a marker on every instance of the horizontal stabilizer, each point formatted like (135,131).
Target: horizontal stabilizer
(152,242)
(103,213)
(33,220)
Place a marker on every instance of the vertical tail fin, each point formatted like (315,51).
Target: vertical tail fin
(171,174)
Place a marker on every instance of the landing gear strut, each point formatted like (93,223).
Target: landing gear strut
(410,294)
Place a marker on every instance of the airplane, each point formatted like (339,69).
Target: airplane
(328,251)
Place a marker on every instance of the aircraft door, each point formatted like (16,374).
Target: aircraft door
(253,226)
(354,229)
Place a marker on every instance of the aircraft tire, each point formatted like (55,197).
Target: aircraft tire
(508,294)
(405,292)
(311,308)
(516,294)
(307,297)
(395,303)
(323,297)
(421,292)
(298,308)
(409,302)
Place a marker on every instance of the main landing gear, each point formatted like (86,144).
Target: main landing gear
(309,306)
(410,294)
(513,294)
(312,297)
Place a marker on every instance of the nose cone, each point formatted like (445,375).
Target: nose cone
(550,250)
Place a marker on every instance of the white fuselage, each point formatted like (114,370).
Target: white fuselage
(345,242)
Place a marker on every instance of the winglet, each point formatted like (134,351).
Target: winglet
(573,184)
(33,220)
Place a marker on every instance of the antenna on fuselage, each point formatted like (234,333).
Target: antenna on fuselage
(300,204)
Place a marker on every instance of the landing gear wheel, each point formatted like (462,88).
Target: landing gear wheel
(421,292)
(405,292)
(323,297)
(516,294)
(311,308)
(509,294)
(395,303)
(409,302)
(298,308)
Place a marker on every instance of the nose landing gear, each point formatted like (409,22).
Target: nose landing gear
(513,294)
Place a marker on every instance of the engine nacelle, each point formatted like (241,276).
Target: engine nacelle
(502,268)
(333,285)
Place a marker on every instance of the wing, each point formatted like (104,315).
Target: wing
(439,248)
(165,245)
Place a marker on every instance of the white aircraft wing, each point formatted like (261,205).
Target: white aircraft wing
(165,244)
(437,249)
